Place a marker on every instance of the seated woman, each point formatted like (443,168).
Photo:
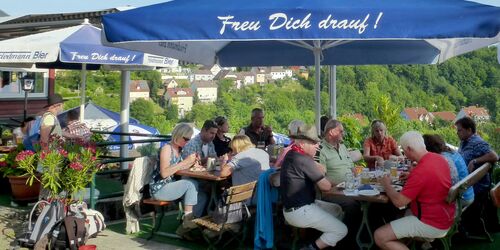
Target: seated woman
(164,187)
(458,169)
(246,164)
(221,141)
(379,147)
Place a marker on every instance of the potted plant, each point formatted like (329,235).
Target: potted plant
(22,191)
(66,166)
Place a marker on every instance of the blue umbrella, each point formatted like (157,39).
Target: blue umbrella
(78,47)
(132,128)
(96,114)
(298,32)
(99,118)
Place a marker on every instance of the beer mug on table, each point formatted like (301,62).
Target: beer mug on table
(210,164)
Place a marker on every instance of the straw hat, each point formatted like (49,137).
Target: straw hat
(307,132)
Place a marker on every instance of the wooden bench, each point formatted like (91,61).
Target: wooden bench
(455,195)
(159,209)
(495,195)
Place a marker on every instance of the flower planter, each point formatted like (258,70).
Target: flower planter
(22,191)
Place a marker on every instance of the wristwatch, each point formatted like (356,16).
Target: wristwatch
(474,161)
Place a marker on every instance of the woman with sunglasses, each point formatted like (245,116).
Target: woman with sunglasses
(164,187)
(221,141)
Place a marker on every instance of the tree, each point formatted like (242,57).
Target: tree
(172,112)
(143,110)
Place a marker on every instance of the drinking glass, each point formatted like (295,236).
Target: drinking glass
(394,173)
(350,182)
(365,177)
(379,169)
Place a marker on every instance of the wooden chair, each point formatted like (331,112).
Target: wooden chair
(455,194)
(234,195)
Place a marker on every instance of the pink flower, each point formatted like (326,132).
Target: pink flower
(43,154)
(23,154)
(76,166)
(63,152)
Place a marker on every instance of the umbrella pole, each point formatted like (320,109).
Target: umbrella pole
(333,91)
(317,55)
(124,116)
(83,91)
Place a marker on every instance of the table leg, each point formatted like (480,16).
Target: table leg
(213,196)
(364,224)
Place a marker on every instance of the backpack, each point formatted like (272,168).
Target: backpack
(68,233)
(50,214)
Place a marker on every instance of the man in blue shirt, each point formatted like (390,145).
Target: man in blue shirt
(476,152)
(202,144)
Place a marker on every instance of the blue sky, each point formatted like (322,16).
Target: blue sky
(24,7)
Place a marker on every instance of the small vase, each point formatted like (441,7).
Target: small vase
(22,191)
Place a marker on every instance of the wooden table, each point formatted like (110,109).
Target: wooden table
(212,176)
(203,175)
(365,204)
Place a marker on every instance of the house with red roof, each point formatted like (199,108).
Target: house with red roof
(417,114)
(444,115)
(478,114)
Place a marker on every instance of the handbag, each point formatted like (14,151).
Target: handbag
(94,221)
(235,214)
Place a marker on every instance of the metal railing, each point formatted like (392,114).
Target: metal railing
(106,159)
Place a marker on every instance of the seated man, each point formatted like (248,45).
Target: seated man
(260,134)
(426,189)
(300,175)
(202,145)
(337,160)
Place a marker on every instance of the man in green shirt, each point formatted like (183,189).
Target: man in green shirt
(333,154)
(335,157)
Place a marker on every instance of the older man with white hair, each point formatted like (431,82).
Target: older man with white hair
(426,189)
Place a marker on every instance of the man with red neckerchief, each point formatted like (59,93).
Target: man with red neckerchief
(300,175)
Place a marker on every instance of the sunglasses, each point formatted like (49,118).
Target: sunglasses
(186,139)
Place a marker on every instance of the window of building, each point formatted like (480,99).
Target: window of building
(11,83)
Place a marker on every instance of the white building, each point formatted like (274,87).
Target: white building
(182,97)
(279,73)
(139,89)
(206,90)
(201,75)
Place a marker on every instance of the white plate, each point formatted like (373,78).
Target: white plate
(369,192)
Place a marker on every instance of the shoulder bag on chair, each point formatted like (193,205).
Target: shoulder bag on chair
(235,213)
